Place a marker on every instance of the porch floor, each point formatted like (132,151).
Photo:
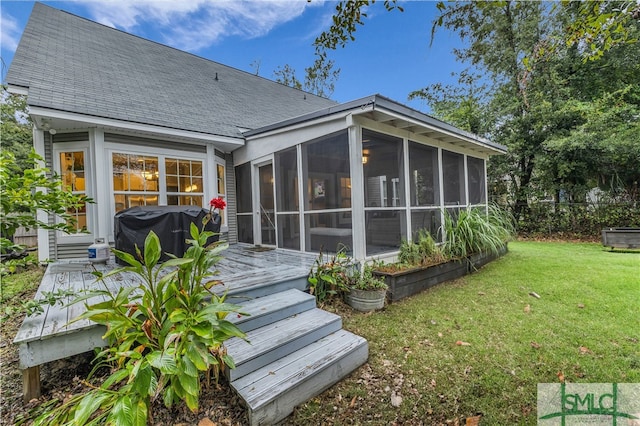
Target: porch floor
(244,270)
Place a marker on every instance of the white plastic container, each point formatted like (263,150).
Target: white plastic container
(99,251)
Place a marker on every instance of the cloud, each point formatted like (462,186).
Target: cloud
(197,24)
(9,32)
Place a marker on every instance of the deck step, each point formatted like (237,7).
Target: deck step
(272,392)
(249,286)
(274,341)
(274,307)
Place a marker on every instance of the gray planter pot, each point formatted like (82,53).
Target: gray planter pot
(365,300)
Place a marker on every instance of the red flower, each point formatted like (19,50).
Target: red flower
(218,203)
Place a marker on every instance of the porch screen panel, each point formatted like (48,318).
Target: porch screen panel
(326,161)
(453,178)
(244,203)
(288,217)
(475,174)
(327,193)
(135,180)
(428,220)
(424,182)
(72,166)
(385,204)
(184,182)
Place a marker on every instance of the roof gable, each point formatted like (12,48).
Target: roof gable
(74,65)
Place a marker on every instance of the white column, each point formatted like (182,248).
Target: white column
(357,191)
(103,207)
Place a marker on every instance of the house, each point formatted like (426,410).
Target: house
(131,122)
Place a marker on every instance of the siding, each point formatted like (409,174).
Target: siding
(154,143)
(232,208)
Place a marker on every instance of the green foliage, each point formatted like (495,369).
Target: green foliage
(164,334)
(23,193)
(365,279)
(600,26)
(329,275)
(346,19)
(577,220)
(320,78)
(287,75)
(421,251)
(15,128)
(474,231)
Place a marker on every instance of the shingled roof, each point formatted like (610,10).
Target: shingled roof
(71,64)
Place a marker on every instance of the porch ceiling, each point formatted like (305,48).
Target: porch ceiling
(470,142)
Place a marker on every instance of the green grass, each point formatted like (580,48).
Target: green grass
(586,325)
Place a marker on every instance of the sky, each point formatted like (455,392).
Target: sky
(391,55)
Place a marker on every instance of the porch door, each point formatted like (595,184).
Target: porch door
(266,208)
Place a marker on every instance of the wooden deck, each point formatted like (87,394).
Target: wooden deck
(245,273)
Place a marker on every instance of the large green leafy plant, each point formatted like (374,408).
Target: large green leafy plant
(165,335)
(476,231)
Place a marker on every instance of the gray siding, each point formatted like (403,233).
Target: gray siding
(232,209)
(154,143)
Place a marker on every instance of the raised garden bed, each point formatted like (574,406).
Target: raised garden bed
(408,282)
(628,238)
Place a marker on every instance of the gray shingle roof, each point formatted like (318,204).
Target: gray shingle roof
(71,64)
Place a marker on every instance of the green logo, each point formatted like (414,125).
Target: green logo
(588,403)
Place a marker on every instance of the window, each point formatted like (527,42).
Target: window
(184,182)
(135,180)
(476,183)
(72,172)
(453,178)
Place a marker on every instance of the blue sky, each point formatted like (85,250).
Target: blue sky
(390,56)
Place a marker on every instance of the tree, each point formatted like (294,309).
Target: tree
(15,127)
(287,75)
(320,78)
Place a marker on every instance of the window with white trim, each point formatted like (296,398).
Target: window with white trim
(72,173)
(184,181)
(135,180)
(151,180)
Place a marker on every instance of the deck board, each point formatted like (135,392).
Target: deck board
(239,268)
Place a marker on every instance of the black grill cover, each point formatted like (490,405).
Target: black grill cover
(170,223)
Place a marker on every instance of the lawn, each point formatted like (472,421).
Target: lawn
(477,346)
(481,344)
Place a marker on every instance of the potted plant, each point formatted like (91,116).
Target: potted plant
(365,291)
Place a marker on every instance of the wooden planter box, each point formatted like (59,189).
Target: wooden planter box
(478,260)
(412,281)
(621,238)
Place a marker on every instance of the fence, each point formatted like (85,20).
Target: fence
(26,238)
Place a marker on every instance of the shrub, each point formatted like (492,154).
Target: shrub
(329,277)
(164,334)
(475,231)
